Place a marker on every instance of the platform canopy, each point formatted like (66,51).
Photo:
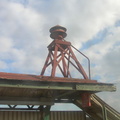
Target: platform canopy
(24,89)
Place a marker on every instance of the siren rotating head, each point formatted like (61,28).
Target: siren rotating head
(58,32)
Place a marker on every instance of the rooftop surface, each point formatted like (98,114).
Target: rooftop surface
(35,89)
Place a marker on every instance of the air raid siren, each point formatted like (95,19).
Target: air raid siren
(61,56)
(58,32)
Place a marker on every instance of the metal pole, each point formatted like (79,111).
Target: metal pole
(47,113)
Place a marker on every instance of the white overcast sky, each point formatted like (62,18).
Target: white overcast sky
(93,26)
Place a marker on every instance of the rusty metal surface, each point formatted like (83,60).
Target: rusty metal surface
(58,32)
(22,89)
(15,76)
(61,55)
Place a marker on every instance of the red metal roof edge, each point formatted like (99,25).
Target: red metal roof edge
(30,77)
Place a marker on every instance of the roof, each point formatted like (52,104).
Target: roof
(35,89)
(24,77)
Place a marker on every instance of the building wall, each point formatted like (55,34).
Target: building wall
(33,115)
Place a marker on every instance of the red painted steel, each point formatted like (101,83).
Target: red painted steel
(24,77)
(61,55)
(86,99)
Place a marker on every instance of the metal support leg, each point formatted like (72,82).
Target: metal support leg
(47,113)
(86,100)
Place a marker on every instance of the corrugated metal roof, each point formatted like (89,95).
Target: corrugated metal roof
(35,115)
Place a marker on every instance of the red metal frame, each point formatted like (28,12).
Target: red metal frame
(61,55)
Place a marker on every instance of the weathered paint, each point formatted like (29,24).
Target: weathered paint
(60,51)
(57,86)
